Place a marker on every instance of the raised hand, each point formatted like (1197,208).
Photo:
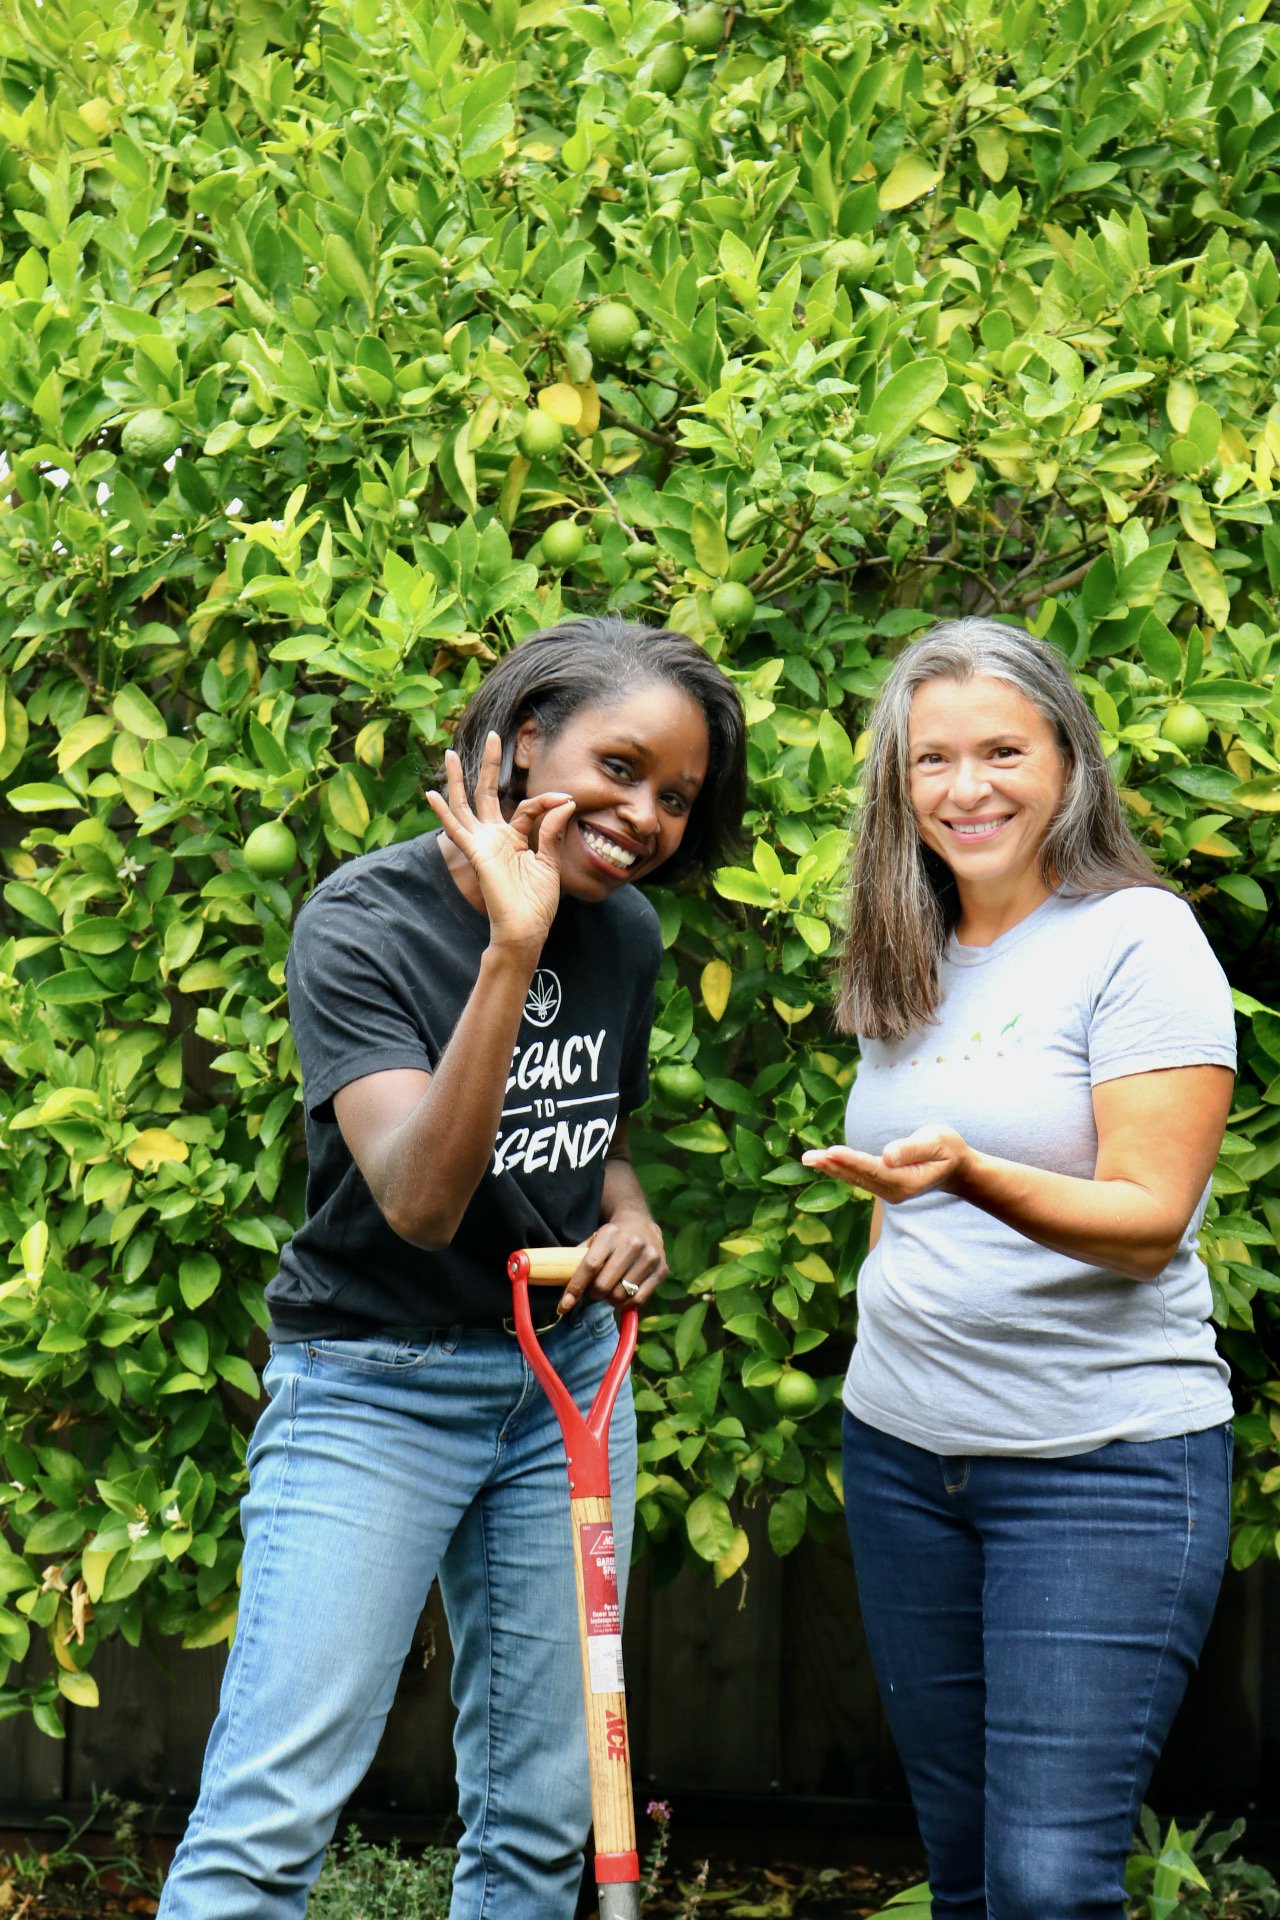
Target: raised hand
(929,1158)
(519,882)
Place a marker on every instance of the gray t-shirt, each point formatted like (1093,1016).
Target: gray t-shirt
(972,1338)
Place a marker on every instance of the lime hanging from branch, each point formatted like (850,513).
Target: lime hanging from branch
(733,606)
(795,1392)
(1185,726)
(270,850)
(611,331)
(150,436)
(541,437)
(562,543)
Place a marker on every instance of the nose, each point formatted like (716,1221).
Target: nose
(970,785)
(640,810)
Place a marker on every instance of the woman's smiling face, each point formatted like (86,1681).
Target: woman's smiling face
(987,779)
(634,768)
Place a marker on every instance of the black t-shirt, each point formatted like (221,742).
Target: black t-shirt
(384,956)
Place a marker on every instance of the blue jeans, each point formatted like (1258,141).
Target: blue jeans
(1032,1625)
(376,1465)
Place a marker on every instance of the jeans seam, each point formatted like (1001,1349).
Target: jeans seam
(482,1840)
(1172,1616)
(235,1689)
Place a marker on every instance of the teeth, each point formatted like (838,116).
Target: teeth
(981,830)
(608,850)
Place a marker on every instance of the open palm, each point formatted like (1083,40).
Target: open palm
(519,882)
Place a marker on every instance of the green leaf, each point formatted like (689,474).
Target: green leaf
(709,1525)
(710,547)
(904,397)
(911,175)
(1206,582)
(1160,652)
(138,714)
(1246,890)
(238,1373)
(43,796)
(198,1277)
(740,883)
(788,1518)
(836,748)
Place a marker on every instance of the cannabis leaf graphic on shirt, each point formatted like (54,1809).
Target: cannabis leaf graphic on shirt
(543,1003)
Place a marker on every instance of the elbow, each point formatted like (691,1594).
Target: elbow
(1148,1263)
(427,1231)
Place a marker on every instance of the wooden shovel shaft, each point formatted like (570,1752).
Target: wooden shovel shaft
(600,1638)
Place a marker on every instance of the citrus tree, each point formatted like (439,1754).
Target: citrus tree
(342,344)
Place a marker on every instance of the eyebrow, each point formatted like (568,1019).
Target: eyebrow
(995,740)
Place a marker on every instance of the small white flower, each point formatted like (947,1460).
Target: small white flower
(130,869)
(173,1516)
(138,1529)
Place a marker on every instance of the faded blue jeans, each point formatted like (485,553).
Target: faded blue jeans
(1033,1625)
(376,1465)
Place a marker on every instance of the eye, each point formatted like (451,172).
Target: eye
(1012,752)
(929,760)
(616,768)
(675,803)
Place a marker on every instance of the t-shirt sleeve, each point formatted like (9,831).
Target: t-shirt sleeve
(346,1009)
(633,1076)
(1162,999)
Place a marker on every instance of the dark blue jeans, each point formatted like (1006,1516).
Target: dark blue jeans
(1033,1625)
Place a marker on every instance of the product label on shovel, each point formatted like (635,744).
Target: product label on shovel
(604,1616)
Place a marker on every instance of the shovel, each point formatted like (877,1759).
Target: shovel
(617,1864)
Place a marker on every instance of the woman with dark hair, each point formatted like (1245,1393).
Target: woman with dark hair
(471,1011)
(1037,1423)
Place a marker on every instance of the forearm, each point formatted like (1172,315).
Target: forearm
(1116,1224)
(622,1190)
(431,1163)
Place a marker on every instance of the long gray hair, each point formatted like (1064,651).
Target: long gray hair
(902,897)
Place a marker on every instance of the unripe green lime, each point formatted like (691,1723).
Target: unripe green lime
(270,850)
(668,68)
(703,29)
(611,331)
(670,157)
(1186,727)
(732,606)
(853,261)
(795,1392)
(406,510)
(245,409)
(681,1083)
(562,543)
(151,436)
(541,437)
(640,554)
(642,342)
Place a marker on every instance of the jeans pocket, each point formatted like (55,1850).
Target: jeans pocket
(378,1353)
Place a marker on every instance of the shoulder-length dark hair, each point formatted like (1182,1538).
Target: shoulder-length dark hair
(597,661)
(902,898)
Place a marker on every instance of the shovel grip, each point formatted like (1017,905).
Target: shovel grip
(546,1265)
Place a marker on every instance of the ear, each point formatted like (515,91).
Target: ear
(528,734)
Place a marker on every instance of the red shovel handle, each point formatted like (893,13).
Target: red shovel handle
(586,1441)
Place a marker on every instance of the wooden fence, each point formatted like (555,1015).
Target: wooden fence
(755,1699)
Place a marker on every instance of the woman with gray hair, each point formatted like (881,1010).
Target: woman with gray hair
(1037,1423)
